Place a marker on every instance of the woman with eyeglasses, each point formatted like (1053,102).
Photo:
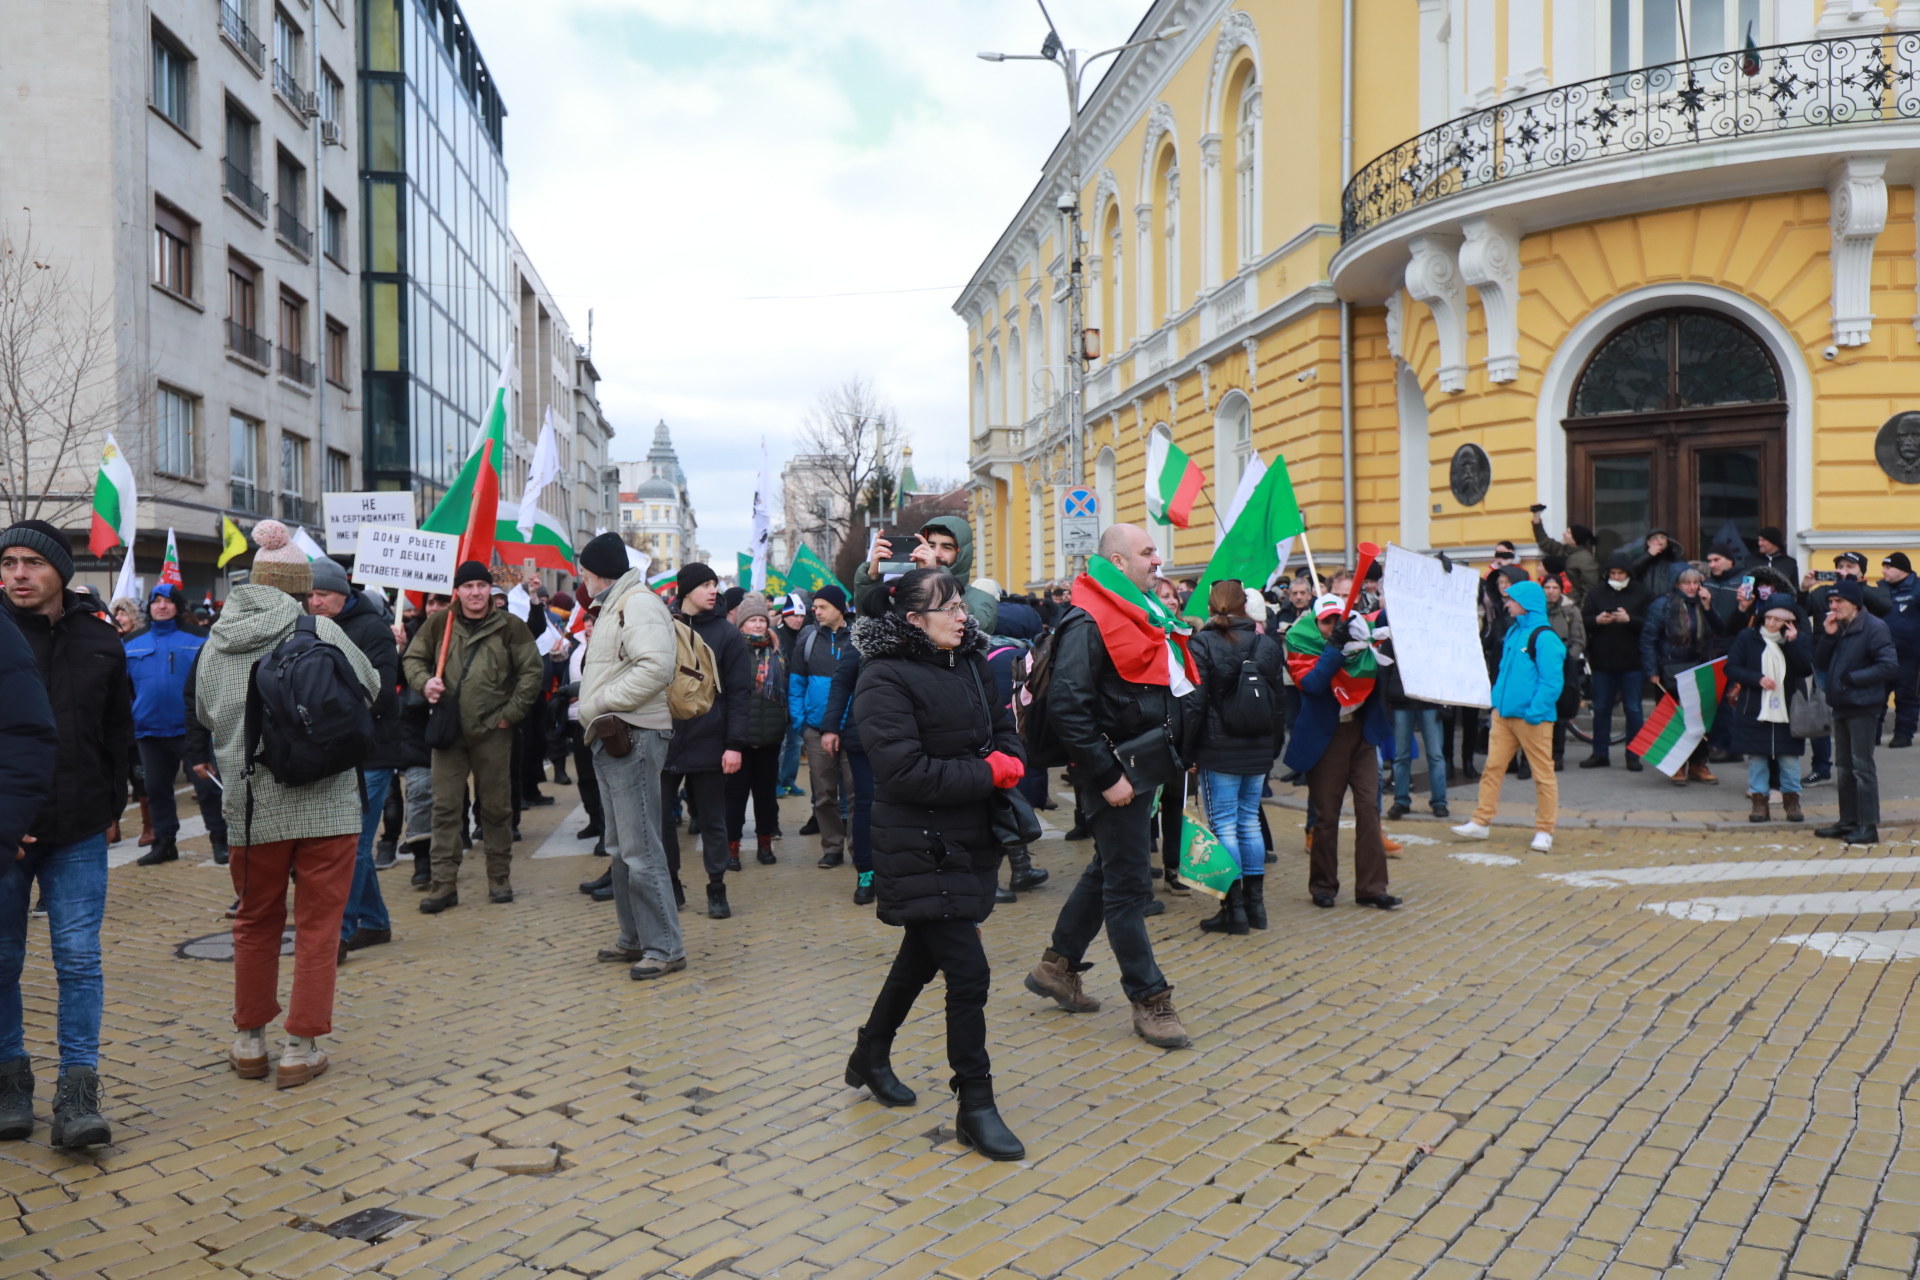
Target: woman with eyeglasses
(939,746)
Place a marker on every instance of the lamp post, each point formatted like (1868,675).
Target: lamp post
(1073,67)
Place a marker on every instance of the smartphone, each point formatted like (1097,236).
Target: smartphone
(900,540)
(1825,575)
(1747,581)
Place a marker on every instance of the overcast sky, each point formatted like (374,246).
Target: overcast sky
(698,173)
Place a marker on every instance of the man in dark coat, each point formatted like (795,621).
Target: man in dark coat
(1656,563)
(1770,552)
(1816,600)
(1614,615)
(707,748)
(1903,592)
(364,618)
(84,671)
(1575,544)
(1856,651)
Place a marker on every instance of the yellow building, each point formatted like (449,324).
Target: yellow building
(1587,256)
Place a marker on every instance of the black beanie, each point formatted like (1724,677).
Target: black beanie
(730,599)
(38,535)
(692,575)
(1898,560)
(605,557)
(1852,590)
(1772,534)
(833,595)
(1582,536)
(472,571)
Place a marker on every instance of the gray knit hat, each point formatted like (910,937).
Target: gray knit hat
(330,575)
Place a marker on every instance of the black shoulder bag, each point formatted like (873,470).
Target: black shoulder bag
(443,722)
(1015,824)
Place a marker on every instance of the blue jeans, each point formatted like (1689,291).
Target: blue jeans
(73,883)
(790,757)
(1428,719)
(1610,687)
(1233,810)
(860,836)
(1760,776)
(366,909)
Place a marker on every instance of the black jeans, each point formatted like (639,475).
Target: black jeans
(160,760)
(1173,806)
(1854,772)
(1114,890)
(583,774)
(706,815)
(951,947)
(759,775)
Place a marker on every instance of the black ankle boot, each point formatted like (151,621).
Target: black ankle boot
(16,1098)
(1253,896)
(1233,912)
(422,851)
(1022,875)
(872,1065)
(717,908)
(77,1121)
(604,881)
(979,1125)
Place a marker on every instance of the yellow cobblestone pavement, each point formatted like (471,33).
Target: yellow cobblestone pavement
(1511,1077)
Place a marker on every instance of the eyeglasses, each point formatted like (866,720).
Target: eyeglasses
(957,609)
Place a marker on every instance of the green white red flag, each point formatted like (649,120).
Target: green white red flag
(1679,724)
(115,516)
(661,584)
(1173,482)
(1146,642)
(471,506)
(170,569)
(1259,539)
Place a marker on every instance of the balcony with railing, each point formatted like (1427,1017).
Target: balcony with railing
(295,368)
(1821,88)
(241,186)
(233,25)
(298,509)
(248,345)
(287,84)
(1103,384)
(288,224)
(1227,307)
(1156,353)
(249,497)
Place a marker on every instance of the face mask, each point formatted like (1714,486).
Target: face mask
(1618,586)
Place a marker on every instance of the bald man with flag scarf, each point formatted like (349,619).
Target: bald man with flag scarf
(1336,742)
(1122,691)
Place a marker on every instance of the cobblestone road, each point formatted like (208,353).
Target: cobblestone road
(1524,1071)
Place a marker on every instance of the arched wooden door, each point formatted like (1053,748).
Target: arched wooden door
(1678,422)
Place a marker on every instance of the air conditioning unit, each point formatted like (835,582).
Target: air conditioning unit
(330,133)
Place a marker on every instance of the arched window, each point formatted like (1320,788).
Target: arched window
(996,391)
(1037,388)
(1232,446)
(979,399)
(1036,535)
(1016,380)
(1110,342)
(1167,251)
(1246,172)
(1103,468)
(1676,360)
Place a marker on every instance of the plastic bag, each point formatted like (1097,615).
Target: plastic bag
(1204,865)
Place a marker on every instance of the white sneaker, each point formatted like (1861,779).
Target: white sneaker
(302,1061)
(1542,842)
(1472,830)
(248,1056)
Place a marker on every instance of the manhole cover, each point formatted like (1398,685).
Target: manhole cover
(219,946)
(368,1224)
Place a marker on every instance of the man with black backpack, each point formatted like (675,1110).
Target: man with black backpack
(280,705)
(484,686)
(1526,696)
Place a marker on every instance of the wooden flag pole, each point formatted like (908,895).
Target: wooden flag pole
(1307,551)
(453,601)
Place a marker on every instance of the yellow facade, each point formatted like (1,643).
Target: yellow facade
(1218,285)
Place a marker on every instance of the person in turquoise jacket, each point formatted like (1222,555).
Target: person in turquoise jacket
(1526,693)
(159,661)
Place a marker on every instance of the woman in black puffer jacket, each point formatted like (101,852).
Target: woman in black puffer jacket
(939,746)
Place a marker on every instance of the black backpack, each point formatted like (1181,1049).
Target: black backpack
(307,716)
(1571,674)
(1032,678)
(1247,712)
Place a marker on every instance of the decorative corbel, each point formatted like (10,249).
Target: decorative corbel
(1490,262)
(1253,364)
(1857,195)
(1206,385)
(1172,388)
(1139,417)
(1433,277)
(1394,322)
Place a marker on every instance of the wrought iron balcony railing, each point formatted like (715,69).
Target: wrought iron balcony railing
(298,509)
(292,366)
(248,497)
(233,24)
(1819,84)
(245,342)
(292,231)
(288,86)
(241,187)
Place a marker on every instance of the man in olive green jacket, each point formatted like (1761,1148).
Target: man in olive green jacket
(494,670)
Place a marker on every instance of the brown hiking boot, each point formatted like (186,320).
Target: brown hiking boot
(1058,979)
(1790,806)
(1760,812)
(1700,773)
(1155,1022)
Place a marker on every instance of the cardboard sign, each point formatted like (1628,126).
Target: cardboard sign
(406,558)
(1435,620)
(347,512)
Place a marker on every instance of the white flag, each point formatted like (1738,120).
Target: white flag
(1249,481)
(762,534)
(541,472)
(308,547)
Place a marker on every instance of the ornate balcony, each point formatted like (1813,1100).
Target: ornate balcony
(1103,383)
(1825,85)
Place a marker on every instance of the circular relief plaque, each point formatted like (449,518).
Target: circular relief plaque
(1471,475)
(1897,447)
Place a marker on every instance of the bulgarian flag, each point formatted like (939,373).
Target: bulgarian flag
(548,547)
(115,517)
(498,523)
(1147,643)
(170,568)
(1352,683)
(1259,541)
(661,584)
(1173,482)
(1678,724)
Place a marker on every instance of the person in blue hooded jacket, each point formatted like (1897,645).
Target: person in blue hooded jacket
(159,661)
(1526,696)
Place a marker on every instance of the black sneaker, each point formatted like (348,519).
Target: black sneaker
(717,908)
(1595,762)
(164,850)
(1439,810)
(605,881)
(591,831)
(1397,811)
(812,827)
(831,859)
(1633,763)
(536,801)
(77,1121)
(1816,779)
(385,854)
(221,853)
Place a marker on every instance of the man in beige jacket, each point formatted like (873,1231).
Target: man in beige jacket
(623,712)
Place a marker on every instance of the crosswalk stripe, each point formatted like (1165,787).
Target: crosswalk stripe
(1890,944)
(1846,902)
(1716,872)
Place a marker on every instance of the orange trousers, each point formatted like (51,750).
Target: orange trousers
(321,871)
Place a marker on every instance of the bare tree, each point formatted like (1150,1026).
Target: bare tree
(850,444)
(57,383)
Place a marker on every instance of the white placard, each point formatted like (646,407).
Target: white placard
(346,512)
(406,558)
(1435,619)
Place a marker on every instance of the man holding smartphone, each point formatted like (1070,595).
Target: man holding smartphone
(946,542)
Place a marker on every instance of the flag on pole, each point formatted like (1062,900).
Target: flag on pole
(232,542)
(115,513)
(662,583)
(479,477)
(127,585)
(1173,482)
(1253,547)
(308,547)
(1243,492)
(540,473)
(1677,725)
(774,583)
(809,572)
(170,567)
(761,537)
(547,547)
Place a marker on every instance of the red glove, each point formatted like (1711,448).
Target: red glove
(1006,769)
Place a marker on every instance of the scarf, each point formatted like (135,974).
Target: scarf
(1352,683)
(1147,643)
(1773,664)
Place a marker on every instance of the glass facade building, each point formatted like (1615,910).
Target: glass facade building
(437,261)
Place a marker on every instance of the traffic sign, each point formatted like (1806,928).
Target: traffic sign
(1079,521)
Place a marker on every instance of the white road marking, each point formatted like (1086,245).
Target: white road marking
(1849,902)
(1716,872)
(119,855)
(561,843)
(1484,859)
(1875,948)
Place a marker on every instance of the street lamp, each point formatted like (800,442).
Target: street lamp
(1073,66)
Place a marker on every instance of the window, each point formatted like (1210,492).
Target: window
(1233,446)
(339,472)
(243,462)
(332,95)
(338,353)
(242,133)
(286,60)
(1171,232)
(1676,360)
(291,177)
(177,427)
(172,68)
(293,478)
(333,230)
(293,339)
(242,304)
(172,252)
(1646,33)
(1245,174)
